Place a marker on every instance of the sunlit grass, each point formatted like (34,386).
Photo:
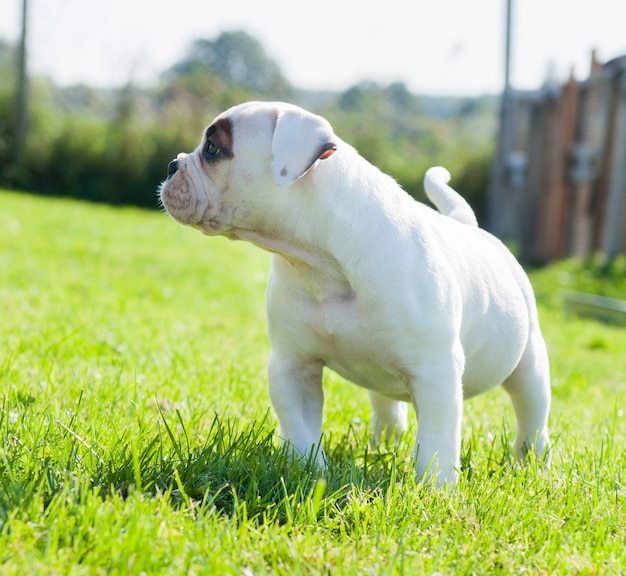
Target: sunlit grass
(136,434)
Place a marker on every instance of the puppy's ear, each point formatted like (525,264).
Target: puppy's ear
(300,140)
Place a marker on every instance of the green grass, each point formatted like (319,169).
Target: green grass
(136,436)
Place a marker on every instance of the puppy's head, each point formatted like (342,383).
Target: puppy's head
(245,156)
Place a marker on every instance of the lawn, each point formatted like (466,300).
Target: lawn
(136,435)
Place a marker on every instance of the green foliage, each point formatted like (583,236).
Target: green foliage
(114,145)
(595,275)
(136,436)
(473,177)
(392,129)
(8,108)
(239,60)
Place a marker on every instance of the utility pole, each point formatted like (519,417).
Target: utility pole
(507,55)
(499,172)
(21,127)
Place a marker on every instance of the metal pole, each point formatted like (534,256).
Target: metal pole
(507,57)
(21,128)
(498,175)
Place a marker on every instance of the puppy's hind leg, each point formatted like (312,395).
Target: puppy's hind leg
(389,419)
(529,389)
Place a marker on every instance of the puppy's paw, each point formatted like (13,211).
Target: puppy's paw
(538,450)
(312,457)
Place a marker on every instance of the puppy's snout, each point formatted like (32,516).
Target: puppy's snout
(172,168)
(175,165)
(179,194)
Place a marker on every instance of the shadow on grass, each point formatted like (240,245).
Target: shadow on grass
(238,470)
(246,471)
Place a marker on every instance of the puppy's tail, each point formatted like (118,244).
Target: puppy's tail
(447,200)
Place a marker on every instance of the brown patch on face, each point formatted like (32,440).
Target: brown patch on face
(218,141)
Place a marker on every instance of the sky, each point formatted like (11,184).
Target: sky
(439,47)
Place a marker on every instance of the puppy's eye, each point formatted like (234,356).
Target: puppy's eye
(212,151)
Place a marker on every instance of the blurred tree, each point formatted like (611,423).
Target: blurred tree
(7,109)
(239,60)
(7,55)
(113,145)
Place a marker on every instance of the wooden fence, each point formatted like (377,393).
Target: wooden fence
(559,179)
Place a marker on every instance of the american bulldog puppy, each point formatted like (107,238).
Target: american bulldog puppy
(418,306)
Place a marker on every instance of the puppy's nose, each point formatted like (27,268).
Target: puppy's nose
(172,168)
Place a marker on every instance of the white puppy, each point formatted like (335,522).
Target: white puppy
(412,304)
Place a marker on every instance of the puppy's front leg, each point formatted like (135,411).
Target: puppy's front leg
(438,401)
(297,396)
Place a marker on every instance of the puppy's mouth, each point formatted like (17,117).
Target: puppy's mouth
(182,205)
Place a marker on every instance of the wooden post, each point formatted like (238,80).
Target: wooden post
(531,203)
(615,215)
(586,154)
(569,106)
(582,177)
(549,179)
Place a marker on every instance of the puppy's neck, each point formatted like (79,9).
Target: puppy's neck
(325,231)
(318,271)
